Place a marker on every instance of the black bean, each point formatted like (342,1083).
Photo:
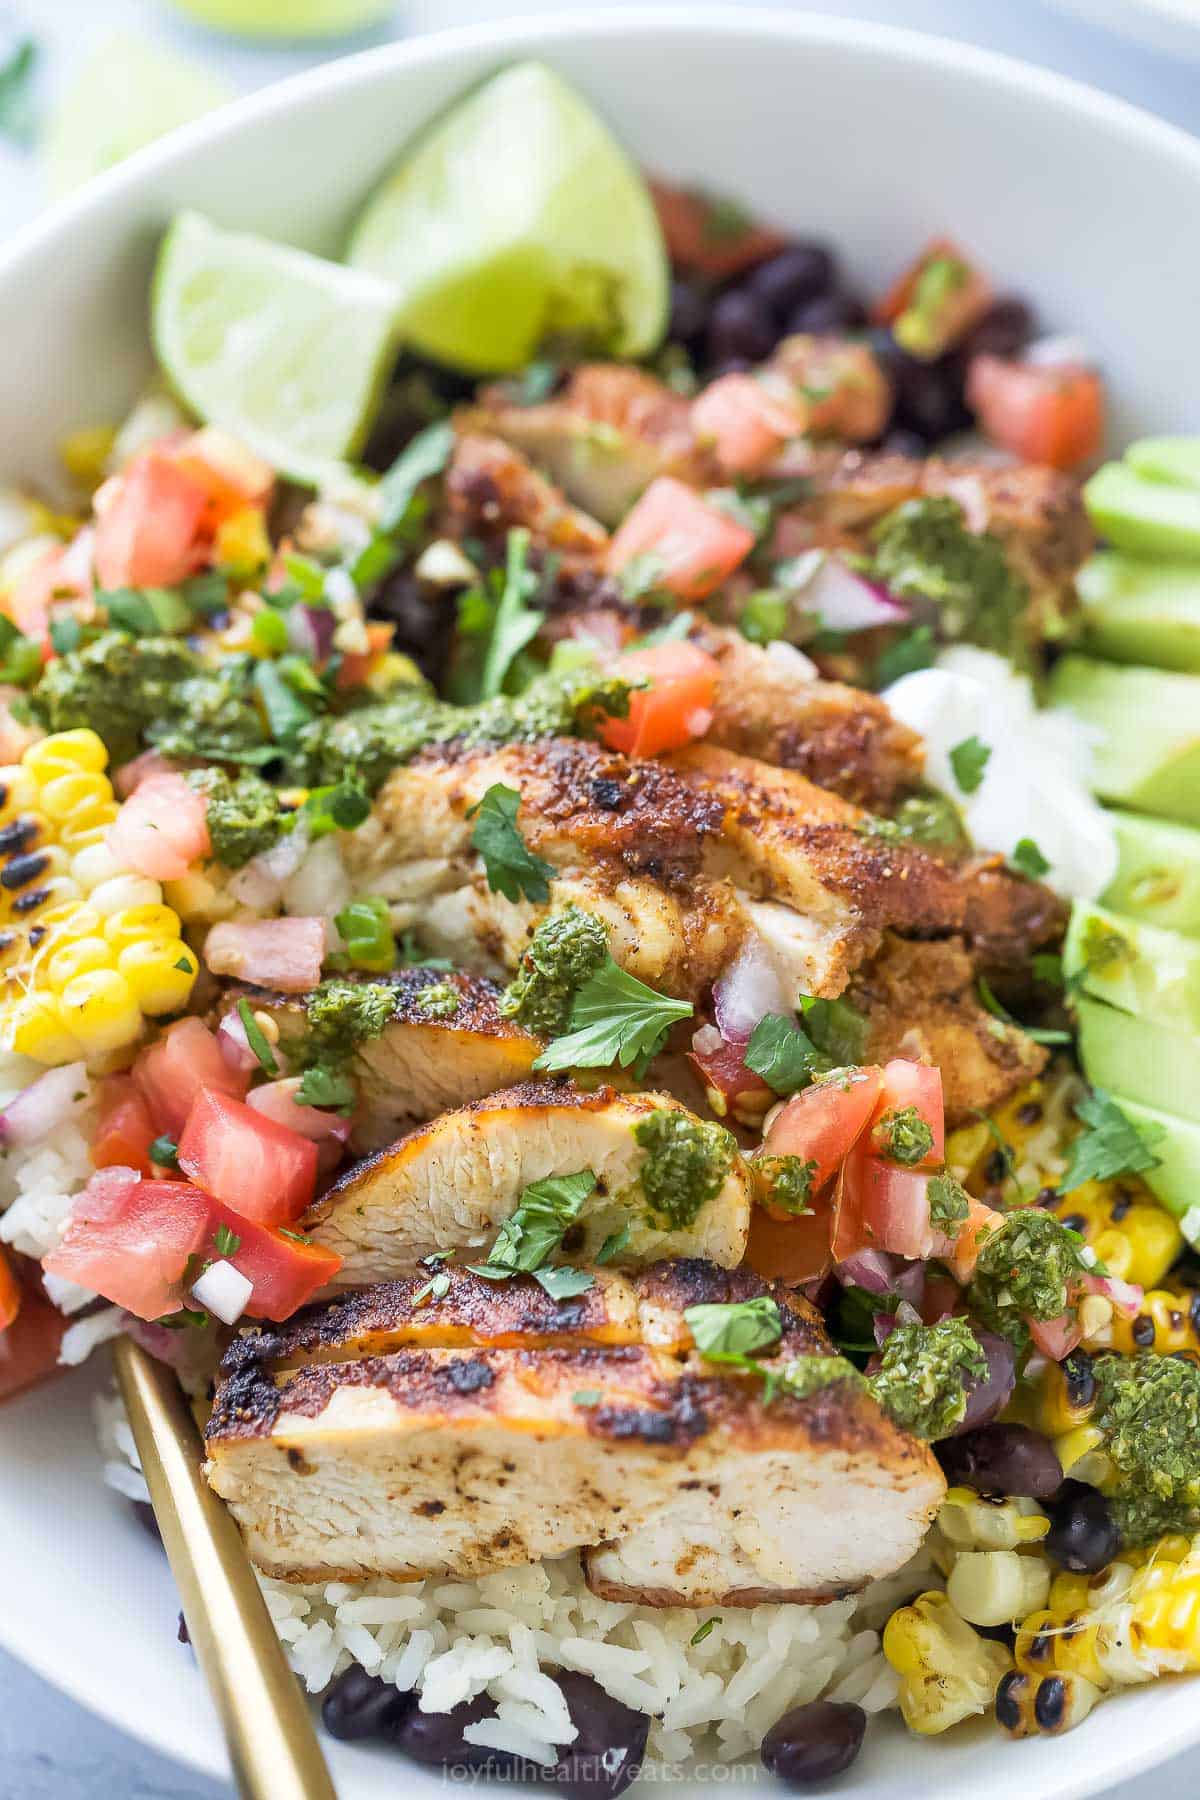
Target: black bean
(1002,1459)
(733,365)
(811,1743)
(795,276)
(999,1634)
(691,307)
(829,313)
(608,1752)
(740,326)
(359,1705)
(1005,328)
(424,620)
(1083,1535)
(929,396)
(437,1737)
(905,443)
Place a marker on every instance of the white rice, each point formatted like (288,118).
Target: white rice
(506,1634)
(39,1181)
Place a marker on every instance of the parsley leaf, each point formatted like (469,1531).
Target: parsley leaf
(1027,859)
(1111,1145)
(564,1283)
(286,712)
(165,1152)
(512,868)
(731,1331)
(915,650)
(436,1288)
(837,1029)
(515,623)
(423,456)
(342,807)
(228,1242)
(968,761)
(534,1230)
(18,119)
(783,1055)
(614,1243)
(702,1631)
(320,1086)
(614,1018)
(256,1037)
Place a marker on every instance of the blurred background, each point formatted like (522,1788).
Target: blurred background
(84,83)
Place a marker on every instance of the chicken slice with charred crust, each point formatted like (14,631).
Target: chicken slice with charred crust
(510,1441)
(491,487)
(675,1185)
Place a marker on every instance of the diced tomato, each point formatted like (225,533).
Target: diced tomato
(172,1071)
(707,234)
(148,524)
(824,1122)
(1043,414)
(885,1207)
(272,953)
(259,1169)
(796,1248)
(131,1239)
(979,1223)
(674,709)
(29,1346)
(162,829)
(744,422)
(936,301)
(130,776)
(10,1293)
(231,475)
(918,1085)
(694,546)
(1056,1338)
(730,1086)
(285,1271)
(125,1130)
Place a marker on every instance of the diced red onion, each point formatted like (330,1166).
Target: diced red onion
(707,1041)
(277,1100)
(884,1323)
(1125,1296)
(223,1290)
(271,953)
(986,1397)
(235,1045)
(843,600)
(255,887)
(749,989)
(41,1107)
(909,1282)
(310,631)
(872,1270)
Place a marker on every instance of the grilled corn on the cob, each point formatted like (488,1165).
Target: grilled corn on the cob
(947,1671)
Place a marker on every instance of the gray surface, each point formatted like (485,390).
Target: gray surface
(49,1748)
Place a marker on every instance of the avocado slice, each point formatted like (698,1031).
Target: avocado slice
(1141,612)
(1138,968)
(1173,459)
(1148,721)
(1158,877)
(1175,1183)
(1145,1062)
(1151,518)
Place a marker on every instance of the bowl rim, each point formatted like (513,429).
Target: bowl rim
(533,34)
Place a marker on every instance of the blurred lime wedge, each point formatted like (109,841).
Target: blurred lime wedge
(287,18)
(286,351)
(515,218)
(125,95)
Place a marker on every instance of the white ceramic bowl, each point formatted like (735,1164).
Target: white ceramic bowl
(872,137)
(1170,26)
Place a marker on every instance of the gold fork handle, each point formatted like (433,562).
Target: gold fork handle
(268,1729)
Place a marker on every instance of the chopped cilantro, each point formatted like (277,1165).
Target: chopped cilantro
(342,806)
(1148,1409)
(227,1242)
(423,457)
(515,623)
(923,1374)
(914,650)
(243,812)
(564,951)
(511,867)
(785,1182)
(615,1018)
(764,617)
(436,1288)
(257,1039)
(783,1055)
(1028,860)
(614,1244)
(837,1029)
(731,1331)
(924,550)
(903,1136)
(702,1631)
(320,1086)
(564,1283)
(440,1000)
(1039,1033)
(165,1152)
(1028,1268)
(341,1015)
(686,1164)
(968,760)
(949,1203)
(535,1229)
(1111,1145)
(1047,967)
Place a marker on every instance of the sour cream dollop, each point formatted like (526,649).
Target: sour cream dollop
(1035,783)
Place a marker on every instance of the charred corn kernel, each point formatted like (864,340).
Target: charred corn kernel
(123,892)
(90,827)
(33,901)
(69,795)
(197,897)
(78,959)
(35,1027)
(1166,1322)
(241,545)
(1082,1456)
(1096,1317)
(160,973)
(68,923)
(1029,1705)
(18,791)
(63,751)
(947,1672)
(1061,1640)
(994,1587)
(32,868)
(1124,1224)
(139,924)
(93,864)
(24,833)
(85,453)
(100,1009)
(972,1521)
(1063,1395)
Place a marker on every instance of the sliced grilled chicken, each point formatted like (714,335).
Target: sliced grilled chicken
(673,1475)
(420,1065)
(841,738)
(450,1186)
(491,487)
(922,1000)
(603,439)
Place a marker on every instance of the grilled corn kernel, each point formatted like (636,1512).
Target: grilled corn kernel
(241,545)
(136,924)
(78,959)
(160,971)
(68,795)
(1125,1225)
(1029,1705)
(972,1521)
(994,1587)
(123,892)
(93,864)
(1064,1395)
(197,897)
(1082,1456)
(1166,1322)
(35,1027)
(99,1007)
(68,923)
(946,1671)
(32,868)
(63,751)
(85,453)
(88,827)
(24,833)
(1060,1640)
(41,896)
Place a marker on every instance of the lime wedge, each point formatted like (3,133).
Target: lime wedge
(515,218)
(288,352)
(125,95)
